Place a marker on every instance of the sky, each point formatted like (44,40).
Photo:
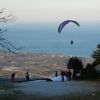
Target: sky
(52,10)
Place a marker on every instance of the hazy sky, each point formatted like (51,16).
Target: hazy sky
(52,10)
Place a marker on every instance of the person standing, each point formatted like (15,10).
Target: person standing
(27,76)
(56,74)
(66,74)
(69,75)
(62,73)
(13,77)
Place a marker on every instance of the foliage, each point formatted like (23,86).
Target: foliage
(75,64)
(89,72)
(96,54)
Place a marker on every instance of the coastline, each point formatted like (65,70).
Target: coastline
(39,65)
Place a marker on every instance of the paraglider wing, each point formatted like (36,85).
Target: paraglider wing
(65,23)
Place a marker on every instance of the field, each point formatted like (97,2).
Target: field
(79,90)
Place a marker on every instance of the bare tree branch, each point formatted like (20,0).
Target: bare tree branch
(2,31)
(2,10)
(10,17)
(5,44)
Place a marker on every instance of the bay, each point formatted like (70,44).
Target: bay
(44,38)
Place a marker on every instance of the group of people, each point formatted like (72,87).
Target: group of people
(13,77)
(65,73)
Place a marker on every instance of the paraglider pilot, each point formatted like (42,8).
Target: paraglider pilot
(71,42)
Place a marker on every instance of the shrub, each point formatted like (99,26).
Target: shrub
(89,73)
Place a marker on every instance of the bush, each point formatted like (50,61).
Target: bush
(89,73)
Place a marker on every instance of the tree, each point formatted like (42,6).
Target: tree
(96,54)
(75,64)
(89,72)
(4,43)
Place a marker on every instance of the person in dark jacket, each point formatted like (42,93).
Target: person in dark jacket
(56,74)
(69,75)
(62,73)
(13,77)
(27,76)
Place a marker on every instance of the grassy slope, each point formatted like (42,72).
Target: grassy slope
(10,94)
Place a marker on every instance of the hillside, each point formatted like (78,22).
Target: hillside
(37,64)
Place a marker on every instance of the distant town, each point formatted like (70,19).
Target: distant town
(37,64)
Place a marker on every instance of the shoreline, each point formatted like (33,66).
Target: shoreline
(37,64)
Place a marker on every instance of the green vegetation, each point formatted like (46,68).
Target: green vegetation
(96,54)
(6,86)
(10,94)
(7,92)
(89,72)
(75,64)
(34,97)
(69,97)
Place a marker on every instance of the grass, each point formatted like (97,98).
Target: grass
(6,86)
(70,97)
(27,97)
(7,92)
(10,93)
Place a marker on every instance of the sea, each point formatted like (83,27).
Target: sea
(43,37)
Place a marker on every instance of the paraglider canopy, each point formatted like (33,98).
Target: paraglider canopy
(61,26)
